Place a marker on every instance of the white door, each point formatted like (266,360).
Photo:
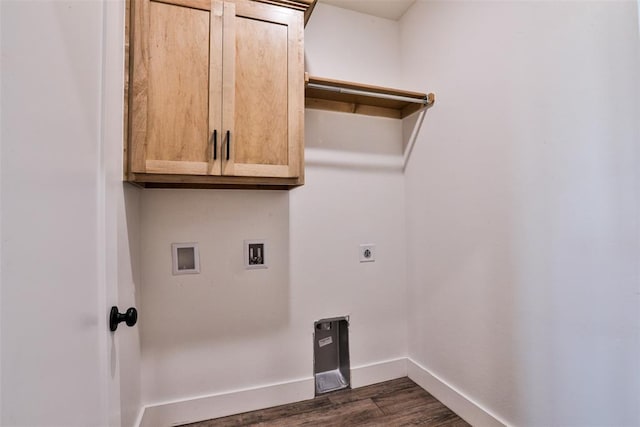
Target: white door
(60,214)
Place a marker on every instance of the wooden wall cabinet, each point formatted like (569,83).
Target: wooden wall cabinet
(217,93)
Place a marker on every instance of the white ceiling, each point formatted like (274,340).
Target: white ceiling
(390,9)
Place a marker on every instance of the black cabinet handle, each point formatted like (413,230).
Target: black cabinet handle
(228,143)
(130,317)
(215,144)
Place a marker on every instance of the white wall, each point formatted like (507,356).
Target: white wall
(226,328)
(353,193)
(522,207)
(50,152)
(347,45)
(54,261)
(336,211)
(127,199)
(68,239)
(229,329)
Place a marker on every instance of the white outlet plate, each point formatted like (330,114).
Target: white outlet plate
(367,252)
(255,254)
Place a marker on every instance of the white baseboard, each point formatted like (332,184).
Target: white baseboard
(138,421)
(235,402)
(378,372)
(462,405)
(223,404)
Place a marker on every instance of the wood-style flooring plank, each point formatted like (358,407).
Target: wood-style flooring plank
(394,403)
(433,414)
(402,402)
(348,414)
(277,413)
(389,388)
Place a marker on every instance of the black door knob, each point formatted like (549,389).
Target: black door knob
(130,317)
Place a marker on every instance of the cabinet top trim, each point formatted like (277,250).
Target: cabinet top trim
(305,6)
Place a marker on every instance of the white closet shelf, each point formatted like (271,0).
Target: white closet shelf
(348,97)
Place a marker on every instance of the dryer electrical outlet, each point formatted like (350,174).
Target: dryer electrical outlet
(255,254)
(367,252)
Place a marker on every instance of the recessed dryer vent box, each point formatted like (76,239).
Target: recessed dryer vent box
(331,366)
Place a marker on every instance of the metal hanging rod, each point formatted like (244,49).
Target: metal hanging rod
(424,101)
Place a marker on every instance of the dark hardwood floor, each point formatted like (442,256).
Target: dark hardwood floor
(398,402)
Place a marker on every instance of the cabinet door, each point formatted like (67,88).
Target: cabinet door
(263,90)
(176,93)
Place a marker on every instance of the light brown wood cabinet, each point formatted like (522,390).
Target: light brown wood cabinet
(216,96)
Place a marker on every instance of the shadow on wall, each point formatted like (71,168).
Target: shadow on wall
(354,133)
(356,142)
(132,245)
(129,295)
